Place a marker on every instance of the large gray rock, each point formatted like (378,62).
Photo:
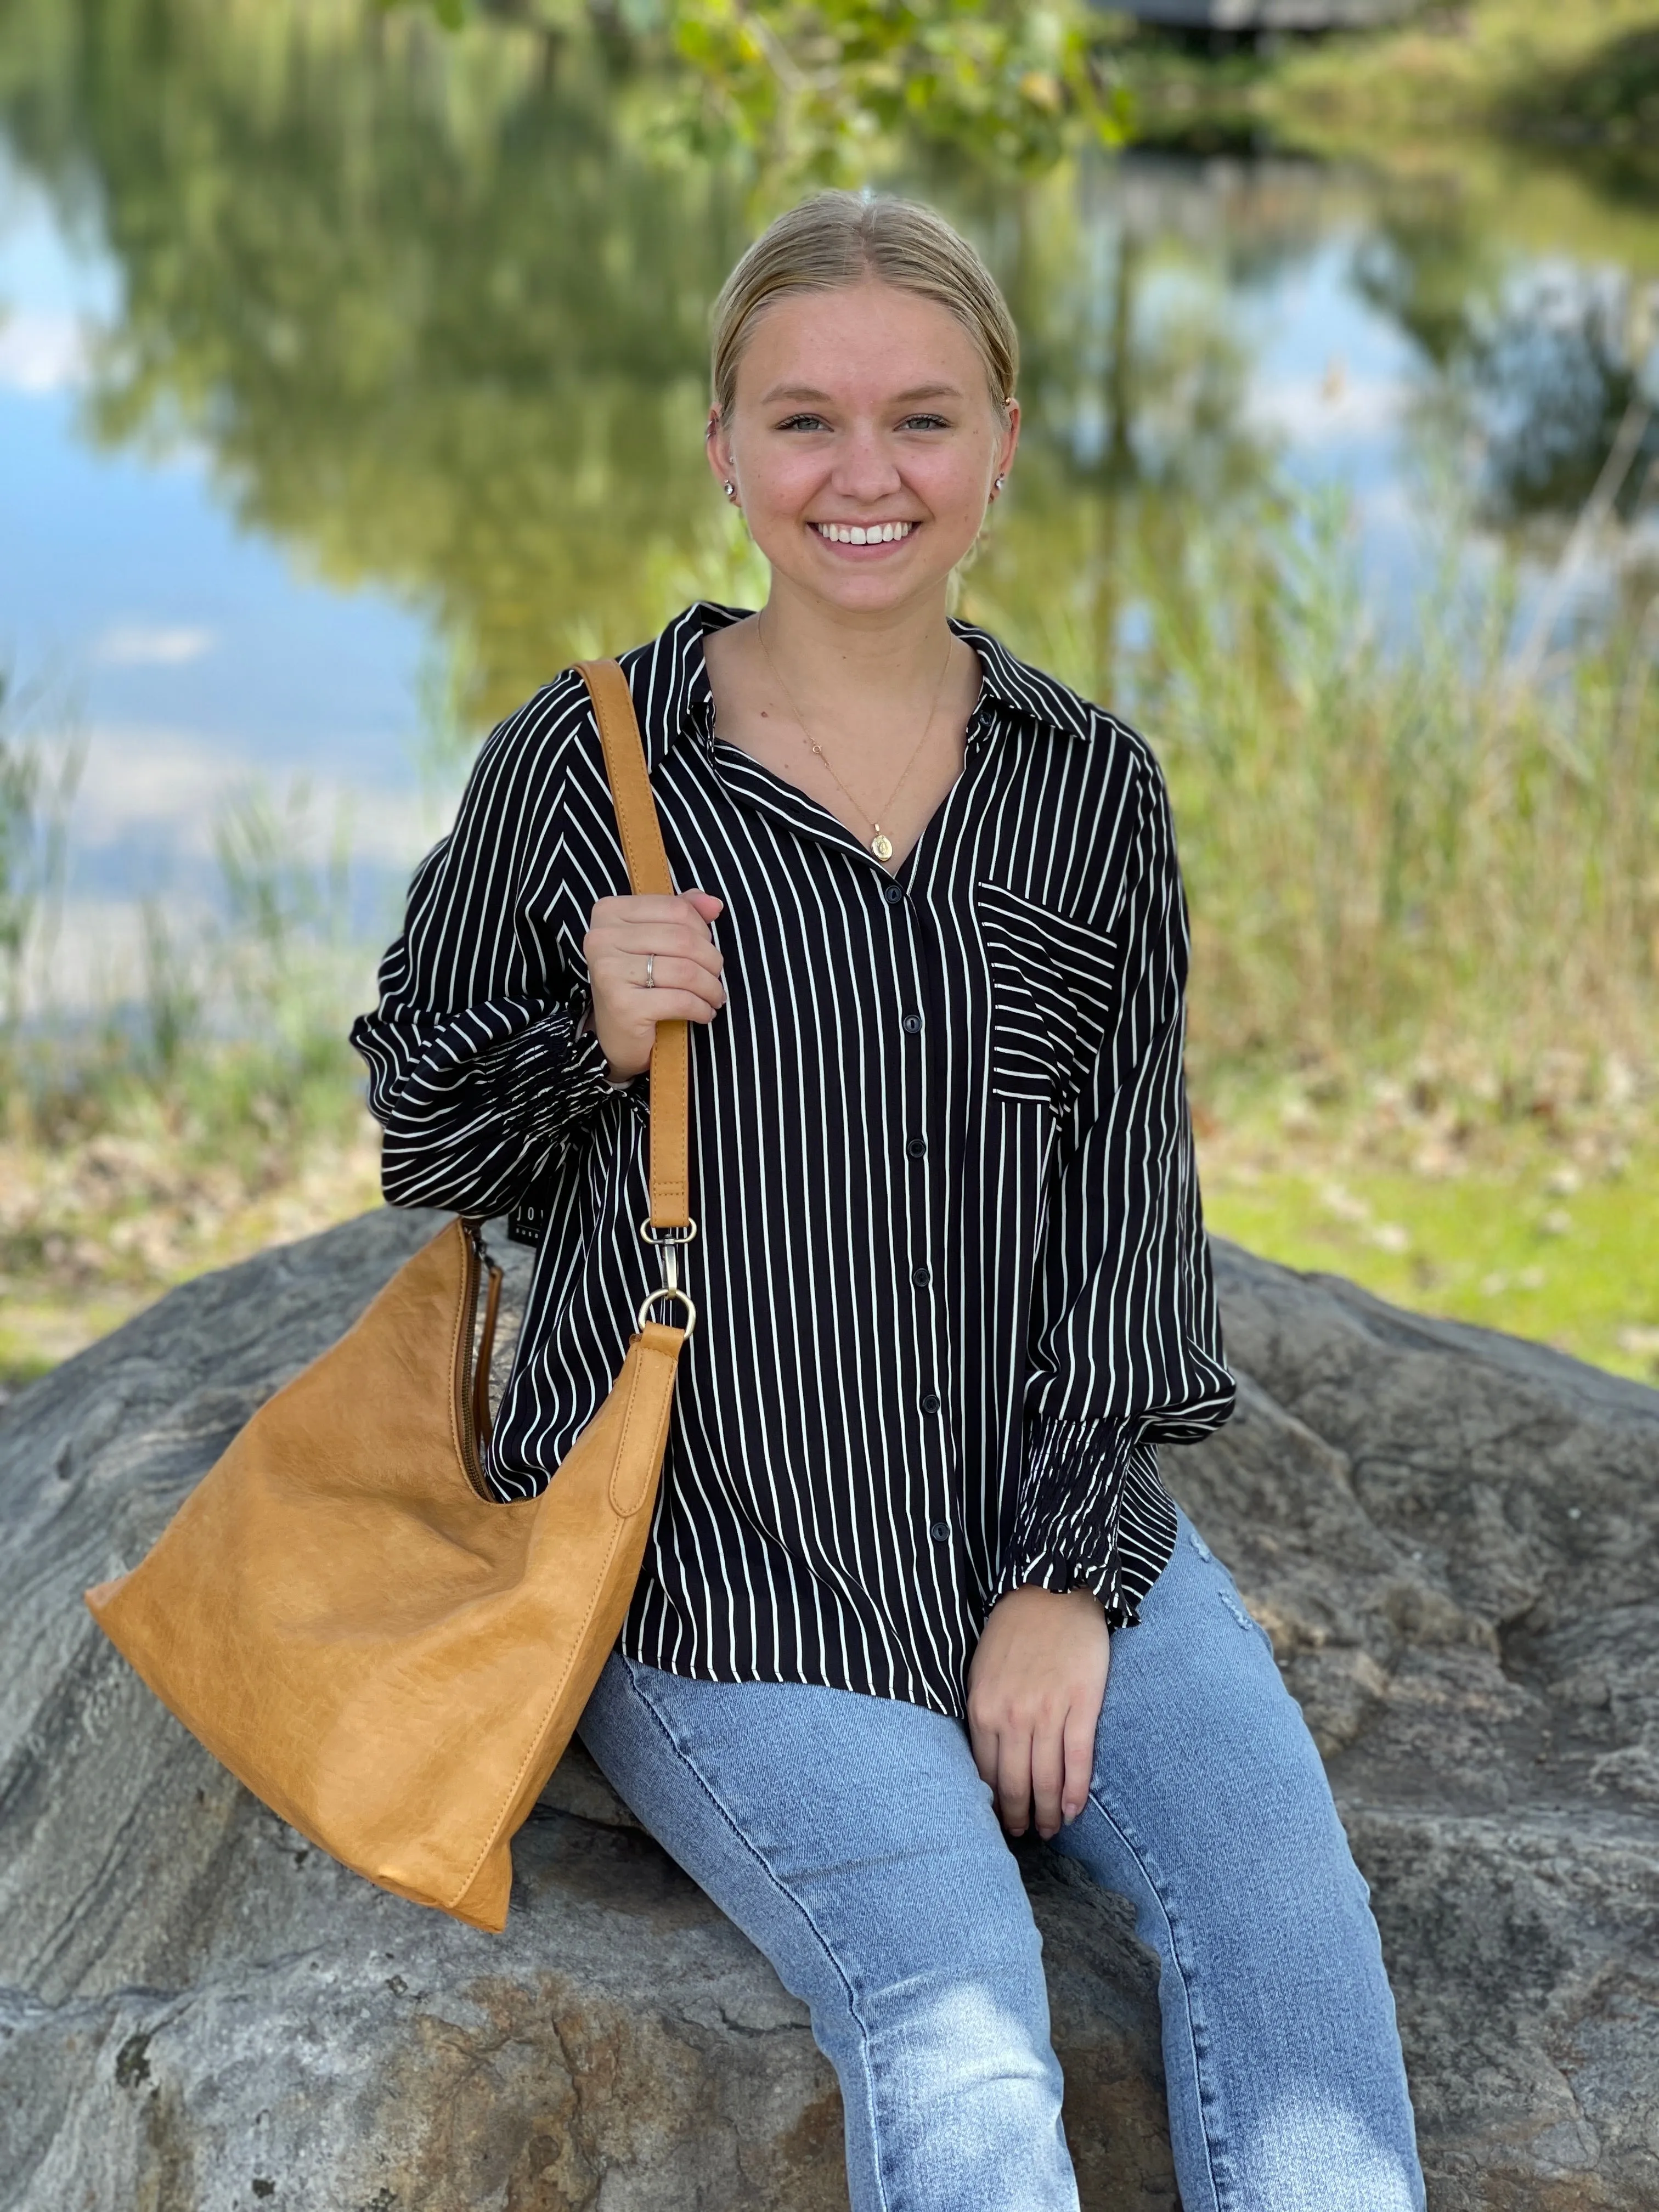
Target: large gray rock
(1449,1535)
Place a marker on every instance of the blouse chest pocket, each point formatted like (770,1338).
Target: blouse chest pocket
(1054,991)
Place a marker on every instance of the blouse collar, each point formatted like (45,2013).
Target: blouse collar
(684,705)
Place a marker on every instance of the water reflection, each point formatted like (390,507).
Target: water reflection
(1536,365)
(429,314)
(433,314)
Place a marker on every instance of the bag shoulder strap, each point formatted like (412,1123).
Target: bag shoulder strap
(647,872)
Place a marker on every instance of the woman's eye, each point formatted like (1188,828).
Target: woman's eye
(803,422)
(924,422)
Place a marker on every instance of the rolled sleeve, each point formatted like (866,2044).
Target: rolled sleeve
(476,1104)
(1065,1526)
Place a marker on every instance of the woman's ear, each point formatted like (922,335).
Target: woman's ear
(718,448)
(1010,441)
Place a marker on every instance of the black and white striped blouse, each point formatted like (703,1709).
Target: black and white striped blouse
(951,1279)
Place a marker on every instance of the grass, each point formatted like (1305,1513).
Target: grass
(1493,1251)
(1392,848)
(211,1110)
(125,1170)
(1543,1222)
(92,1233)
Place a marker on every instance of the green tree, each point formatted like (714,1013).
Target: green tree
(810,89)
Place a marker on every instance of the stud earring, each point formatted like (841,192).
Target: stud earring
(730,488)
(998,485)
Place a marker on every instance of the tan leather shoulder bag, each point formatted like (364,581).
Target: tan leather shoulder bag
(391,1660)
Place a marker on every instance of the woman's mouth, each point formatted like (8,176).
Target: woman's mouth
(862,533)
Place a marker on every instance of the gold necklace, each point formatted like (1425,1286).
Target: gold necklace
(880,843)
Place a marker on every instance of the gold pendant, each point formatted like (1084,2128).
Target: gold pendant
(882,846)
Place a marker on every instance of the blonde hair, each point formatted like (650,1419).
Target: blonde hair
(840,239)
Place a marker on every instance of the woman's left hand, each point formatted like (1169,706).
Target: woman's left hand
(1035,1691)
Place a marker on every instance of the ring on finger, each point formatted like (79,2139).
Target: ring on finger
(650,971)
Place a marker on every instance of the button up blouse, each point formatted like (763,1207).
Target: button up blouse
(950,1274)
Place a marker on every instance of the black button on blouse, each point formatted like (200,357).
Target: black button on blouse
(1021,1033)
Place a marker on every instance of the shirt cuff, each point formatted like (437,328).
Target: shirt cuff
(559,1080)
(1065,1520)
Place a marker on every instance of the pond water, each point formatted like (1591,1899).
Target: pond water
(351,381)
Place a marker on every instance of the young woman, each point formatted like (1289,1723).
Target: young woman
(914,1579)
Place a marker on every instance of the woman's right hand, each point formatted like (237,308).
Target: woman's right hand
(673,932)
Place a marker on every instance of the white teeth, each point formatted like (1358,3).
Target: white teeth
(850,533)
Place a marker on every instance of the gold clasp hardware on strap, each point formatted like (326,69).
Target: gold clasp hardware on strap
(667,1291)
(669,1240)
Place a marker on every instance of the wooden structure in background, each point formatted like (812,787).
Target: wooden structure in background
(1263,15)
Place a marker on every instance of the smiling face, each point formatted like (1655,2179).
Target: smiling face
(864,443)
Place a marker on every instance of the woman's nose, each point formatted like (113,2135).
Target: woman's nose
(865,469)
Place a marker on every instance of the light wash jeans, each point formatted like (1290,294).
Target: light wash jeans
(851,1838)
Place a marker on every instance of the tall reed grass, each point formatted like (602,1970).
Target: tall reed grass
(225,1036)
(1390,847)
(208,1107)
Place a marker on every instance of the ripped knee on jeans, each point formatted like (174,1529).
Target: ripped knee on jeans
(1243,1615)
